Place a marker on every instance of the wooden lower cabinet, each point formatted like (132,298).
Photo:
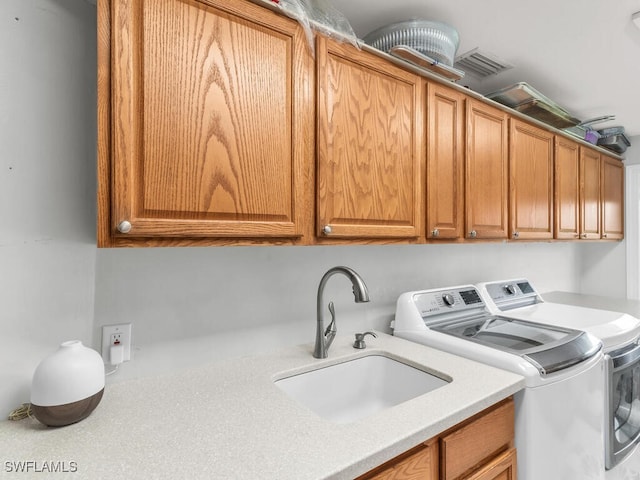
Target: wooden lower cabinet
(480,448)
(419,463)
(503,467)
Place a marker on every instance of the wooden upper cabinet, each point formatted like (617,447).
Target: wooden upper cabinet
(612,178)
(531,172)
(590,211)
(567,189)
(369,145)
(445,162)
(211,109)
(487,182)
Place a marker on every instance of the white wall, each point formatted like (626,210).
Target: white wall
(47,186)
(177,295)
(187,305)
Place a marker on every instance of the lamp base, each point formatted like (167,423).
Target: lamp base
(61,415)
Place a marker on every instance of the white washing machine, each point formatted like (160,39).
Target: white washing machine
(619,333)
(558,415)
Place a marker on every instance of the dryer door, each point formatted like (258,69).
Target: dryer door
(623,409)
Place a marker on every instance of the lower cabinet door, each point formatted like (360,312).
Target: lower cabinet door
(421,463)
(502,467)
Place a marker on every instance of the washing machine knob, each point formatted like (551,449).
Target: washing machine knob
(510,289)
(448,299)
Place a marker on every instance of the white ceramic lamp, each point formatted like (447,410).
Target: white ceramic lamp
(67,385)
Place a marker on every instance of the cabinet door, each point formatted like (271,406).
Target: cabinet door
(420,463)
(503,467)
(211,114)
(467,448)
(370,145)
(589,194)
(612,198)
(567,189)
(531,173)
(486,172)
(445,163)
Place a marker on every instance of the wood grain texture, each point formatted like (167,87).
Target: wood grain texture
(567,189)
(103,232)
(612,198)
(445,163)
(503,467)
(590,227)
(420,463)
(212,113)
(487,182)
(369,145)
(468,447)
(531,154)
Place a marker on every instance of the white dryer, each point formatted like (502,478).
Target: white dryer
(619,333)
(559,428)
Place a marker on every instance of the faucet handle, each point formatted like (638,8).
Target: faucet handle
(359,342)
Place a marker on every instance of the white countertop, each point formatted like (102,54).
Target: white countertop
(631,307)
(227,420)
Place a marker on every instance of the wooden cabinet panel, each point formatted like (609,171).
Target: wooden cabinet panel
(211,108)
(480,448)
(531,172)
(612,198)
(370,145)
(420,463)
(445,162)
(503,467)
(486,172)
(468,447)
(590,227)
(567,189)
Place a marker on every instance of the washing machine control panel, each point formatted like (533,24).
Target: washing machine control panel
(444,302)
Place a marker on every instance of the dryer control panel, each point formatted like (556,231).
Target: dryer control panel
(512,294)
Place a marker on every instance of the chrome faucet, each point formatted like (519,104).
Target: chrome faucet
(360,293)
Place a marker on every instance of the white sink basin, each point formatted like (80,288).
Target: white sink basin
(354,389)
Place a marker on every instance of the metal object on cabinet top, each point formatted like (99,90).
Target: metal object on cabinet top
(526,99)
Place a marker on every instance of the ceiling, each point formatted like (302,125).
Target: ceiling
(583,54)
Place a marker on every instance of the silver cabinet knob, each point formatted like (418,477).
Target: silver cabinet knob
(473,234)
(435,232)
(604,235)
(583,235)
(124,226)
(516,234)
(327,229)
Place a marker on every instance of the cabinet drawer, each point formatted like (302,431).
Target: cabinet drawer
(420,463)
(503,467)
(469,446)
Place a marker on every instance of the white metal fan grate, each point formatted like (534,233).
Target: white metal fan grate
(481,64)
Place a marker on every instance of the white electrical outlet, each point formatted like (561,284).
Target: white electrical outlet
(114,336)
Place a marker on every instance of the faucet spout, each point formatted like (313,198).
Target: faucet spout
(324,338)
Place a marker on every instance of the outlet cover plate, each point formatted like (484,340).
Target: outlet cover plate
(123,330)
